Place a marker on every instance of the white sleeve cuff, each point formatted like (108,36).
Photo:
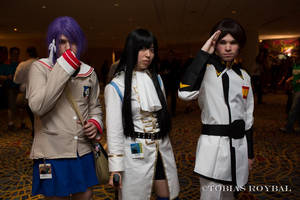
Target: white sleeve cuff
(68,62)
(116,164)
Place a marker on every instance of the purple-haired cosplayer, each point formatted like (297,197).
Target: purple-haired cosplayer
(61,150)
(68,27)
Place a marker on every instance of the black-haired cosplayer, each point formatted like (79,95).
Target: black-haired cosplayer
(138,123)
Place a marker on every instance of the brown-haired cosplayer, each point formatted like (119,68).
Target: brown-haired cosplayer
(225,148)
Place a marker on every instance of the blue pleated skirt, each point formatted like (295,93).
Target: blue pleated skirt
(69,176)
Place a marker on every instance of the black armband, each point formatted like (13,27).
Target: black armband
(195,72)
(249,136)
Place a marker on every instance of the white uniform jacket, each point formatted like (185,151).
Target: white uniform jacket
(57,132)
(137,174)
(222,100)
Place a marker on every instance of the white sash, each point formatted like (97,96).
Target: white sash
(149,100)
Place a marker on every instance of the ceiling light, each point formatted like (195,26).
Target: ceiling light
(116,4)
(43,6)
(260,41)
(15,29)
(234,12)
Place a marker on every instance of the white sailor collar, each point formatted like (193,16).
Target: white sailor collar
(85,70)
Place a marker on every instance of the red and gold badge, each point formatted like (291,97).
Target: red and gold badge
(245,90)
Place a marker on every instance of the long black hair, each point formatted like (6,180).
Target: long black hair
(137,40)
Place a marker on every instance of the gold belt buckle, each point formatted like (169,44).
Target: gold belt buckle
(152,136)
(152,139)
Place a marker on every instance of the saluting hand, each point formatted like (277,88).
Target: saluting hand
(210,44)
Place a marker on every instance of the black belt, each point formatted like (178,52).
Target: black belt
(235,130)
(153,136)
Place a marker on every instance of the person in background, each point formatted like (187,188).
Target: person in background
(3,60)
(294,112)
(258,68)
(10,88)
(112,70)
(285,81)
(21,77)
(61,145)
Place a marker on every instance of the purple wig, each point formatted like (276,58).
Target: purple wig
(68,27)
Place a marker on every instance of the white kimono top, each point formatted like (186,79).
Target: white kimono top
(137,174)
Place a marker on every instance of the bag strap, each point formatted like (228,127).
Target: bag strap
(76,109)
(74,105)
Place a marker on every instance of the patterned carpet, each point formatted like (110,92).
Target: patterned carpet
(276,163)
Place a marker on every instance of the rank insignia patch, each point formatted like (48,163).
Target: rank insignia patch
(245,90)
(218,73)
(86,91)
(183,85)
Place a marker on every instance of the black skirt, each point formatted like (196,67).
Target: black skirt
(159,169)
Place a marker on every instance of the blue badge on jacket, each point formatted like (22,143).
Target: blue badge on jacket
(86,91)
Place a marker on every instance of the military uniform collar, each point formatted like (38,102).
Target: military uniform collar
(221,65)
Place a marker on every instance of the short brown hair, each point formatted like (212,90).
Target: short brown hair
(232,27)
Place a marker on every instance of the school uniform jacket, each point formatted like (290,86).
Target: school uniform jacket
(137,174)
(57,131)
(225,98)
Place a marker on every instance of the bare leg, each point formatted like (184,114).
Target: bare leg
(87,195)
(161,188)
(211,190)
